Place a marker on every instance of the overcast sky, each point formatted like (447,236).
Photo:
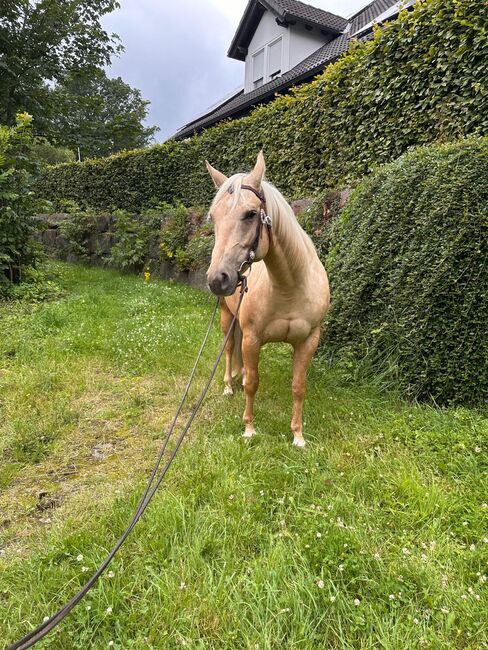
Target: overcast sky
(176,53)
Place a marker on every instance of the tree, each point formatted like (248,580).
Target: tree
(99,115)
(44,41)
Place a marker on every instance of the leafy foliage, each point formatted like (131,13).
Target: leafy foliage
(134,236)
(421,79)
(98,115)
(409,273)
(50,154)
(47,39)
(76,229)
(17,203)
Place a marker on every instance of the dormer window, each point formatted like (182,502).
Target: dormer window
(266,63)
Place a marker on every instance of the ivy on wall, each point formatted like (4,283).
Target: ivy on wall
(409,273)
(421,79)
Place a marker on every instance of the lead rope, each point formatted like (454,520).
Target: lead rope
(42,630)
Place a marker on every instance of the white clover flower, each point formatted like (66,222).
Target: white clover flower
(182,585)
(341,567)
(477,450)
(79,558)
(357,602)
(318,535)
(416,621)
(108,611)
(320,584)
(84,569)
(391,596)
(110,574)
(332,599)
(472,547)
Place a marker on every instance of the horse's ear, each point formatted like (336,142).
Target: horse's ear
(217,177)
(256,176)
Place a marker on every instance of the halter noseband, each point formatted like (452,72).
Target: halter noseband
(264,220)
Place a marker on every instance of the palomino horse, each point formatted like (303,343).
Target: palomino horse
(288,293)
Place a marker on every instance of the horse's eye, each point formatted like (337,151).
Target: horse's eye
(250,215)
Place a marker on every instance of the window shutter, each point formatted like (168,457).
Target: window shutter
(275,57)
(258,66)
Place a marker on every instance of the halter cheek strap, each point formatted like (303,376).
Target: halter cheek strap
(264,220)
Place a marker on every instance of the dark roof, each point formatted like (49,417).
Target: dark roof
(370,12)
(286,11)
(294,9)
(241,103)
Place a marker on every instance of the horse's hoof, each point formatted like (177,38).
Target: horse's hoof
(248,434)
(299,442)
(228,390)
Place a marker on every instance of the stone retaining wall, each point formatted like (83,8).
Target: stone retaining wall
(102,238)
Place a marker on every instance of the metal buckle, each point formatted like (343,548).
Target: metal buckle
(246,265)
(265,219)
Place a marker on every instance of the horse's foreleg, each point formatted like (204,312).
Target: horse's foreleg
(250,357)
(303,353)
(226,317)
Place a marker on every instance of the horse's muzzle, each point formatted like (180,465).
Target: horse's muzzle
(222,283)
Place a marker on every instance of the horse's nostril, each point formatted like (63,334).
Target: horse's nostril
(224,281)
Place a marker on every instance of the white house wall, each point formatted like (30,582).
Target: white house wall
(303,43)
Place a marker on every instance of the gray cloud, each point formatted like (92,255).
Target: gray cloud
(175,53)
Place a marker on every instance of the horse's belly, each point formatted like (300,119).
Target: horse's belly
(288,330)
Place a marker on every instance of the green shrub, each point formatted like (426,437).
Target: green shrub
(174,232)
(198,251)
(134,235)
(421,79)
(409,273)
(17,203)
(76,229)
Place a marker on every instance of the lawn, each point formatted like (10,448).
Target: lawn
(374,536)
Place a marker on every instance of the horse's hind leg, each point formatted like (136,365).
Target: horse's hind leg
(303,353)
(226,318)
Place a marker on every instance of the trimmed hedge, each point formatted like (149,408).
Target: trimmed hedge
(409,273)
(421,79)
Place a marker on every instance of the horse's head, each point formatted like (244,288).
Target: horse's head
(236,214)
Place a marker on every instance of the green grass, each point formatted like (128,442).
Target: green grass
(374,536)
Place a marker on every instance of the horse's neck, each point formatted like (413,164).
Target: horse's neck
(286,261)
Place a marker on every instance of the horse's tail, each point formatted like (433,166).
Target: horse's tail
(237,353)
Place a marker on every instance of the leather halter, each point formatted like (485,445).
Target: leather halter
(264,220)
